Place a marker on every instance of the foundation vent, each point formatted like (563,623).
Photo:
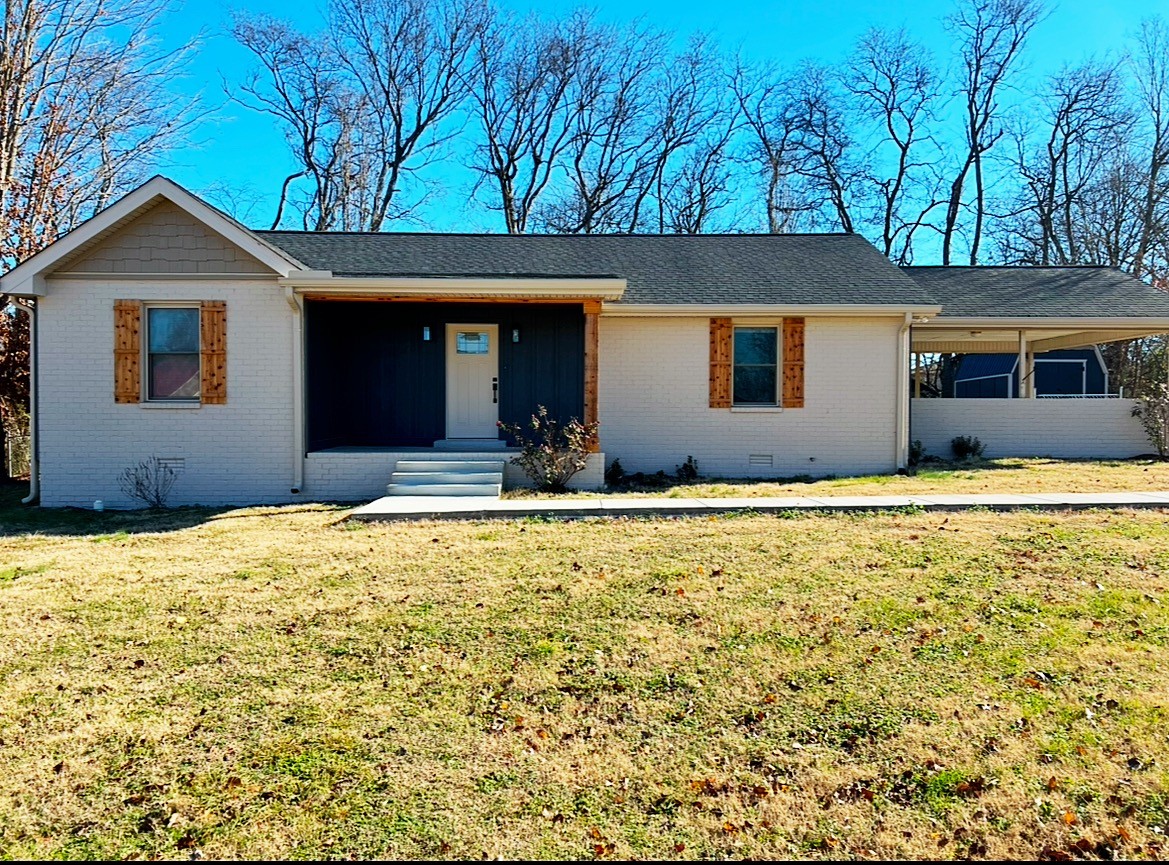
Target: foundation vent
(760,460)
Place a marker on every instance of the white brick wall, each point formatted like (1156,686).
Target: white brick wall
(654,380)
(240,452)
(653,404)
(1065,428)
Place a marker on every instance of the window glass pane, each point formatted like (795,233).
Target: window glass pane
(173,330)
(755,345)
(470,343)
(754,385)
(174,376)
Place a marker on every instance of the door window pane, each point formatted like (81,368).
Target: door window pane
(467,342)
(755,369)
(172,365)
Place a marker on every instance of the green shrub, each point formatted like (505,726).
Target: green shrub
(688,471)
(967,447)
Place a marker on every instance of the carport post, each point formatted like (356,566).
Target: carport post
(1022,365)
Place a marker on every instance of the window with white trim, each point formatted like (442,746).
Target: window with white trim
(755,366)
(172,353)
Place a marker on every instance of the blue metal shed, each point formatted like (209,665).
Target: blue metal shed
(1068,372)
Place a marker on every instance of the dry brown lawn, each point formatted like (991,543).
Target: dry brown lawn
(1012,475)
(276,682)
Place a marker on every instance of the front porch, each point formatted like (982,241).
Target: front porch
(357,473)
(412,377)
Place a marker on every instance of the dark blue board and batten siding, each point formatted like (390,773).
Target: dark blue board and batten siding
(996,376)
(373,381)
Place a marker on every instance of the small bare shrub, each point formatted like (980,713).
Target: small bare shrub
(149,482)
(551,452)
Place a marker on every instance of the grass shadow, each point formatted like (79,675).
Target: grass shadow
(18,519)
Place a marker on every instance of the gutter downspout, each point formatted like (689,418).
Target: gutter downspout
(901,427)
(34,468)
(297,305)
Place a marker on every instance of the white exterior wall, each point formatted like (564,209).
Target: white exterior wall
(237,453)
(1063,428)
(654,401)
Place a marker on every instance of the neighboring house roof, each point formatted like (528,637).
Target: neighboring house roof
(1028,291)
(658,269)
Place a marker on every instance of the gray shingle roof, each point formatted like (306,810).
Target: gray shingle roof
(704,269)
(1022,292)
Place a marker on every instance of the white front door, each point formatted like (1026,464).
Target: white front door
(472,381)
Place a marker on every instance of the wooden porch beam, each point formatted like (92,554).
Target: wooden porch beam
(414,298)
(592,314)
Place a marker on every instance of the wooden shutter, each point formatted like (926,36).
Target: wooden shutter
(793,363)
(127,351)
(720,363)
(213,348)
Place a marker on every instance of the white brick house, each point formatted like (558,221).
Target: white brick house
(289,366)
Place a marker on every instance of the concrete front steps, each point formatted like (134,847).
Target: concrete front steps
(452,476)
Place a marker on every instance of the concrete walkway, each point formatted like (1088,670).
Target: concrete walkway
(483,507)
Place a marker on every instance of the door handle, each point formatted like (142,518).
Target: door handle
(495,389)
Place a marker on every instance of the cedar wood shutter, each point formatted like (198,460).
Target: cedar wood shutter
(127,351)
(720,363)
(213,349)
(721,332)
(793,363)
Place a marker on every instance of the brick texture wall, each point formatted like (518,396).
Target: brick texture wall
(1065,428)
(654,402)
(166,239)
(240,452)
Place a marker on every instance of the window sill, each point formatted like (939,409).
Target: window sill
(757,409)
(185,406)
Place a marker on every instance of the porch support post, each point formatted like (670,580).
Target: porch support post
(917,376)
(592,312)
(1021,366)
(297,305)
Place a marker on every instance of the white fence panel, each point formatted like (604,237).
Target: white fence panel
(1066,428)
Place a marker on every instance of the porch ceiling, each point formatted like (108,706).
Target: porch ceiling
(976,338)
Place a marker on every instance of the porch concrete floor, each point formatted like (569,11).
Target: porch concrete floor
(475,507)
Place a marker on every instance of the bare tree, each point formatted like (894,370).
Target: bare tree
(303,86)
(991,34)
(1151,68)
(525,70)
(701,186)
(612,155)
(829,153)
(364,107)
(87,109)
(1082,124)
(772,149)
(895,86)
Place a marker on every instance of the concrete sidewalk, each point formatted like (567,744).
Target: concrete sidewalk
(482,507)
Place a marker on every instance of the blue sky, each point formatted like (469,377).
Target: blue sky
(244,151)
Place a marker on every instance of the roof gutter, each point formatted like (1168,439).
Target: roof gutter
(1058,321)
(893,310)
